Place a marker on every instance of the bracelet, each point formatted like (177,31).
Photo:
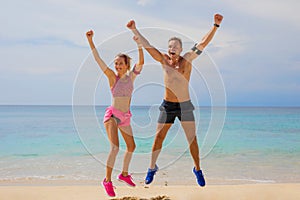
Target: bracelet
(217,25)
(196,50)
(134,70)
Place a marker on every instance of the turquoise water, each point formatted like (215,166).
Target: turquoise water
(46,142)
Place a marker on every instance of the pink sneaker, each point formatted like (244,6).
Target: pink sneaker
(109,188)
(126,179)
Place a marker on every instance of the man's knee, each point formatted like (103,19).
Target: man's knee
(160,136)
(192,139)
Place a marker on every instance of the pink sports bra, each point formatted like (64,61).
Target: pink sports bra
(124,87)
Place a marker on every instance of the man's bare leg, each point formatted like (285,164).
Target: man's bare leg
(190,133)
(161,132)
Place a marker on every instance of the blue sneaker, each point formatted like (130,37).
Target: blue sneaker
(150,175)
(200,177)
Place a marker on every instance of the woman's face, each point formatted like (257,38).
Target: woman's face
(120,65)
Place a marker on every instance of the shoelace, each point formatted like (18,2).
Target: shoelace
(150,173)
(130,177)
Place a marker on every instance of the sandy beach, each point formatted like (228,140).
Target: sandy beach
(179,192)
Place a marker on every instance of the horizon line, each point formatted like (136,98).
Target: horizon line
(146,105)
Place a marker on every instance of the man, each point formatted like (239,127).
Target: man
(176,103)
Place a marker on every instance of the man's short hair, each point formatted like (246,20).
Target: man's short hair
(176,38)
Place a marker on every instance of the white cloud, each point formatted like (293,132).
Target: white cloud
(273,10)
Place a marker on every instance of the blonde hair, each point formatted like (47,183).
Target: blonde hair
(126,58)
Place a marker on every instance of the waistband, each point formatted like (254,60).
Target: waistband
(176,106)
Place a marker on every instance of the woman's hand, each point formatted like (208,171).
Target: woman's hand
(90,34)
(131,24)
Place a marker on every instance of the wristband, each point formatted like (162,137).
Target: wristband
(135,72)
(217,25)
(196,50)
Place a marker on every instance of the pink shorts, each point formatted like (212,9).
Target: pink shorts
(123,118)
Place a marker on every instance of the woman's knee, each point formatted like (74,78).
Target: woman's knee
(131,148)
(114,149)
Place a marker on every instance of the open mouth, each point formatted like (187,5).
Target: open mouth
(172,53)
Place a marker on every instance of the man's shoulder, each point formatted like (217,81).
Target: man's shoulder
(186,63)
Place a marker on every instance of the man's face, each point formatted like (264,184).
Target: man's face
(174,48)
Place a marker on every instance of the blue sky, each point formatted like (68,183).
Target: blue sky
(43,46)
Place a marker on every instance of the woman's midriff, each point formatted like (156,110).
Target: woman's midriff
(121,103)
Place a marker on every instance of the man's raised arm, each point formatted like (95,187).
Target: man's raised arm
(198,48)
(157,55)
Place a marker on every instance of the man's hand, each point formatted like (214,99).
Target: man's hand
(218,19)
(90,34)
(131,24)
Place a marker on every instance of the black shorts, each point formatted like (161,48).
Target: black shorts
(170,110)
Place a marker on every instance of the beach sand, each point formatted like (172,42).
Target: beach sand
(178,192)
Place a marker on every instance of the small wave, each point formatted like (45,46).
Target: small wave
(47,178)
(31,178)
(26,155)
(253,180)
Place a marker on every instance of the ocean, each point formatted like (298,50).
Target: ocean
(64,143)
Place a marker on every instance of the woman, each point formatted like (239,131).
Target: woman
(117,116)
